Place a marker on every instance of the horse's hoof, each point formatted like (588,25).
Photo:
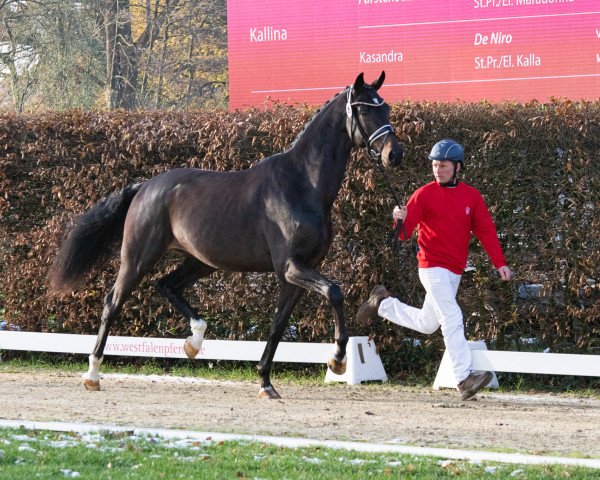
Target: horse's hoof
(269,393)
(339,368)
(189,349)
(92,385)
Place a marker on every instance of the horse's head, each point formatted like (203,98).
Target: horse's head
(368,122)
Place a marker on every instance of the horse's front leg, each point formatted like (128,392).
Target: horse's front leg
(308,278)
(288,298)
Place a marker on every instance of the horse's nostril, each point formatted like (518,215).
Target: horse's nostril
(398,154)
(392,153)
(395,156)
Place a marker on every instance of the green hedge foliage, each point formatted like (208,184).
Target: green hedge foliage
(536,165)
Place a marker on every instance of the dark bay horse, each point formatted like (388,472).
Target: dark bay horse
(273,217)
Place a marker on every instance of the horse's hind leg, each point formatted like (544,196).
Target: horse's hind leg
(288,297)
(91,379)
(172,286)
(127,280)
(135,263)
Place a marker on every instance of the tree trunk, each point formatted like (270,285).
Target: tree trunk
(123,54)
(159,89)
(150,25)
(122,57)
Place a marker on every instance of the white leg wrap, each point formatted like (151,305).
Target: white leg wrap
(93,372)
(198,328)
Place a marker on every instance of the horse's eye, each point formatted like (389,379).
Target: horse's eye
(363,110)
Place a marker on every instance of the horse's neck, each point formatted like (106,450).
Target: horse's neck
(322,152)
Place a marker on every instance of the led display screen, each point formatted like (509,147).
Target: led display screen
(439,50)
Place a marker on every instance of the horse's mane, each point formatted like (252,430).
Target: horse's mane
(315,116)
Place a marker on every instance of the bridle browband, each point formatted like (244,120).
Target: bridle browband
(383,131)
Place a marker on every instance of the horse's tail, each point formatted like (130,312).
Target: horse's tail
(89,241)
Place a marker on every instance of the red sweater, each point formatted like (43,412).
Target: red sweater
(445,218)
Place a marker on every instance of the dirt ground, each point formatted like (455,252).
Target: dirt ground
(542,424)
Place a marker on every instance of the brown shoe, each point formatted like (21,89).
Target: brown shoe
(473,383)
(369,308)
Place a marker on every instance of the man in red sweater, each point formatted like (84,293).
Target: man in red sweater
(445,212)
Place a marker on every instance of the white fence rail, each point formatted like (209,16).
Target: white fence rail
(363,362)
(163,347)
(520,362)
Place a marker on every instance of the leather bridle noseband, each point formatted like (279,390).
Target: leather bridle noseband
(383,131)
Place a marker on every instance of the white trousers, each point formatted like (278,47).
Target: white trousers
(439,310)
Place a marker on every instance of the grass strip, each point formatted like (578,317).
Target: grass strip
(27,454)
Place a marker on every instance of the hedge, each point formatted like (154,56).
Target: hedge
(536,165)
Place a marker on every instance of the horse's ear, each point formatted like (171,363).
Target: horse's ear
(379,82)
(359,82)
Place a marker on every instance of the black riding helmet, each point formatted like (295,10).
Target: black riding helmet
(449,149)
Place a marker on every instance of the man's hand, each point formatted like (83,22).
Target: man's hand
(505,273)
(399,213)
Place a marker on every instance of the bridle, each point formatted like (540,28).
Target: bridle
(383,131)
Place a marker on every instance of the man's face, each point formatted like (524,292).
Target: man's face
(443,170)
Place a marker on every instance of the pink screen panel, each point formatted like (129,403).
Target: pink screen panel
(305,51)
